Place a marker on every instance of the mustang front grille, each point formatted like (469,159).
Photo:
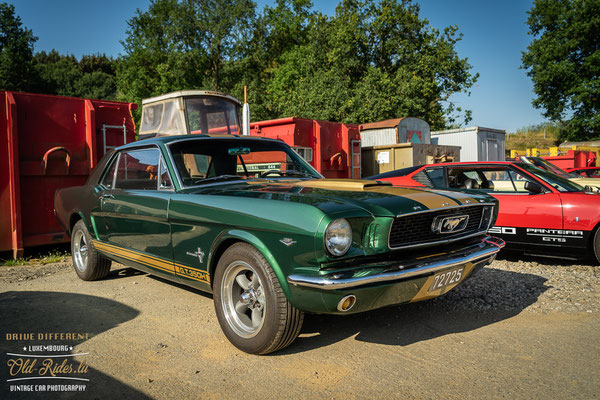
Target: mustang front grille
(423,228)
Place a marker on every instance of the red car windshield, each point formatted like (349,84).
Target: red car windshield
(557,182)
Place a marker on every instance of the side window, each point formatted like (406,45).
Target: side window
(437,176)
(138,170)
(497,180)
(109,177)
(463,179)
(519,181)
(165,180)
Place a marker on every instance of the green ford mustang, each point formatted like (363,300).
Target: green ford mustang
(250,221)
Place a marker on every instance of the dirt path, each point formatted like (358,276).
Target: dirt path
(148,337)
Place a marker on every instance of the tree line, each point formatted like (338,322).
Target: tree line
(372,60)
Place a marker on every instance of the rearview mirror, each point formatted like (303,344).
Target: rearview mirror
(533,187)
(238,151)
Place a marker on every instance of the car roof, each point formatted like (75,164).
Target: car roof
(409,170)
(177,138)
(474,163)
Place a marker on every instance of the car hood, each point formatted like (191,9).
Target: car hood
(336,195)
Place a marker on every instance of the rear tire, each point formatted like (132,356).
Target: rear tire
(250,305)
(88,263)
(596,245)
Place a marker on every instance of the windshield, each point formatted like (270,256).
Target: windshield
(557,182)
(548,166)
(211,114)
(202,161)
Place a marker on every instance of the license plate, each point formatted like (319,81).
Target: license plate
(442,280)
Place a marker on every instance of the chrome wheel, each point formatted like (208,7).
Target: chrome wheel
(243,299)
(80,250)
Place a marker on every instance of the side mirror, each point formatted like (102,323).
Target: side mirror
(533,187)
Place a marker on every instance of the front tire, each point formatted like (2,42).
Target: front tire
(88,263)
(250,305)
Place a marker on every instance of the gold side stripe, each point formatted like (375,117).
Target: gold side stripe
(136,257)
(132,256)
(149,258)
(168,263)
(129,257)
(154,262)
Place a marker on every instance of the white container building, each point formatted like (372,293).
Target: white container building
(477,143)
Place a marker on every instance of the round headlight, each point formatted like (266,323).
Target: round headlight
(338,237)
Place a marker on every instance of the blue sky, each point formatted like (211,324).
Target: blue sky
(494,34)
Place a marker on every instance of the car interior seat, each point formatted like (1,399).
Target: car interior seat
(487,185)
(470,184)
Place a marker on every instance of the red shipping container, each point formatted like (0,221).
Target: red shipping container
(47,143)
(332,148)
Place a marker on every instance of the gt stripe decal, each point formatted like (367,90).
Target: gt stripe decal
(153,262)
(430,200)
(135,256)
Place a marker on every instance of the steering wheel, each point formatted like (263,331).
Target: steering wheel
(269,172)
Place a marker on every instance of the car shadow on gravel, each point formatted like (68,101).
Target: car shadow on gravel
(123,272)
(490,296)
(519,257)
(35,313)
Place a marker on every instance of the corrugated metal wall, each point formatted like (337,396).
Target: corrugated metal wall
(378,137)
(477,144)
(467,140)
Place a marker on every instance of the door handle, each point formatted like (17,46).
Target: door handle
(106,196)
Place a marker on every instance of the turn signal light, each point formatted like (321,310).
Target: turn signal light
(346,303)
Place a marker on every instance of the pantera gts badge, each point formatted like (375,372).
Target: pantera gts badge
(449,224)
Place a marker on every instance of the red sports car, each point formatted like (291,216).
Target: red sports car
(540,213)
(587,172)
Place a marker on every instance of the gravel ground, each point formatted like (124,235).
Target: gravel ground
(519,329)
(532,285)
(508,284)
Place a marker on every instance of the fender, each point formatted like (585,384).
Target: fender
(247,237)
(85,221)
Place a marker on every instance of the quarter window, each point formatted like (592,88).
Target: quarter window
(437,176)
(165,179)
(109,178)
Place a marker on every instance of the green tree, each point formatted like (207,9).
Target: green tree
(16,51)
(185,44)
(563,61)
(91,77)
(275,31)
(372,61)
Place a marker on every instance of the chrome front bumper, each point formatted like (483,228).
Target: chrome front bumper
(485,251)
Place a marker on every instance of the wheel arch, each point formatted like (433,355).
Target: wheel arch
(74,218)
(591,240)
(231,237)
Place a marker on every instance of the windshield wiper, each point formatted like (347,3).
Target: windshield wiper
(294,172)
(217,178)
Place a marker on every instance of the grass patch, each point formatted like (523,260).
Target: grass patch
(51,257)
(54,257)
(14,263)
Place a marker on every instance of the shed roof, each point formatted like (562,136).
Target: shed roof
(469,129)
